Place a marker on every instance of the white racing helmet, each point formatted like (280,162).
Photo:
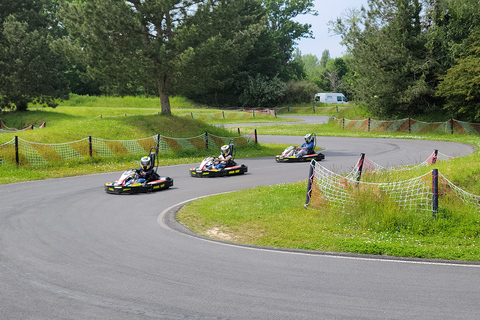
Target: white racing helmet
(225,149)
(308,137)
(145,163)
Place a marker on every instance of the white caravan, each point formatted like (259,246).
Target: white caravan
(330,97)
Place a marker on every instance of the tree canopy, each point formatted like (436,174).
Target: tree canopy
(29,70)
(461,84)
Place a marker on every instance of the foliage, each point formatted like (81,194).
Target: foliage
(270,56)
(461,84)
(297,92)
(262,92)
(29,71)
(388,60)
(397,50)
(126,45)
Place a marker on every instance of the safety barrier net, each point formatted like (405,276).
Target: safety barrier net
(329,189)
(312,109)
(408,125)
(4,128)
(25,152)
(248,114)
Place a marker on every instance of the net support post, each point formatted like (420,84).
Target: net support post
(206,140)
(360,166)
(17,156)
(309,186)
(434,192)
(90,147)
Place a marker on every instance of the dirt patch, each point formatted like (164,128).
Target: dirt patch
(217,234)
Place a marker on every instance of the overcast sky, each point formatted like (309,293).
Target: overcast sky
(328,10)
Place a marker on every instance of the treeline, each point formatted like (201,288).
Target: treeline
(404,58)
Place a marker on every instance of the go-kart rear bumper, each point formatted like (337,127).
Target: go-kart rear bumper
(230,171)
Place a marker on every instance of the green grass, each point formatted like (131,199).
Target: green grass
(76,122)
(277,217)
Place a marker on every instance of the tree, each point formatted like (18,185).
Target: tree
(461,84)
(155,44)
(325,57)
(388,58)
(272,54)
(286,31)
(29,70)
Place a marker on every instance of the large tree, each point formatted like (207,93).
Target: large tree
(157,43)
(461,84)
(29,70)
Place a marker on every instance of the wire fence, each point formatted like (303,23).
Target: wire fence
(22,152)
(409,125)
(327,189)
(5,129)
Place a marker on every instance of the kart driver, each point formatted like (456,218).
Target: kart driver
(307,147)
(145,170)
(223,159)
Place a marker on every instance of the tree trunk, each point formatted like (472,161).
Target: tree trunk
(164,99)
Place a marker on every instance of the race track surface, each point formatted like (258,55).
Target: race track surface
(68,250)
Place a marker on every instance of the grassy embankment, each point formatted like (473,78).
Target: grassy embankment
(371,225)
(364,227)
(78,118)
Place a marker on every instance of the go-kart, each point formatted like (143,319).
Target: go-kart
(290,154)
(231,169)
(127,183)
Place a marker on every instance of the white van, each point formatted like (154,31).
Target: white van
(330,97)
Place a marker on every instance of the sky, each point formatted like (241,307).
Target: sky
(328,10)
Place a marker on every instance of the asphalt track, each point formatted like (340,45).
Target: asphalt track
(68,250)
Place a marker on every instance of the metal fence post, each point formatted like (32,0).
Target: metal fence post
(360,166)
(17,157)
(309,186)
(256,141)
(90,147)
(435,192)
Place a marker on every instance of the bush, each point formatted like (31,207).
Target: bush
(261,92)
(297,92)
